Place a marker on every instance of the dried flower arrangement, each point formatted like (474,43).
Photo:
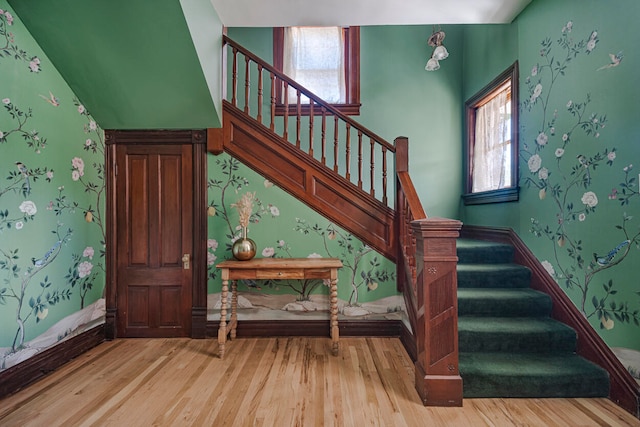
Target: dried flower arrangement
(245,208)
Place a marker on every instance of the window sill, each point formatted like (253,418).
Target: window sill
(495,196)
(347,109)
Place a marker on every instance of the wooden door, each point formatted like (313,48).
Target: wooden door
(154,203)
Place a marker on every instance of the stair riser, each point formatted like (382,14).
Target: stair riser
(473,341)
(483,386)
(509,347)
(498,308)
(471,256)
(511,278)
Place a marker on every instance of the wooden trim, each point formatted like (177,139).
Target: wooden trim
(198,139)
(111,239)
(215,140)
(437,376)
(408,340)
(624,390)
(511,194)
(309,181)
(21,375)
(352,73)
(495,196)
(199,251)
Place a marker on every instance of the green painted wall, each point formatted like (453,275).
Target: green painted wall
(283,227)
(133,63)
(51,216)
(400,98)
(579,194)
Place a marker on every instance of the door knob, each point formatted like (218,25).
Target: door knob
(185,261)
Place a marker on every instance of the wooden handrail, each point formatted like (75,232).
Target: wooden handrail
(423,248)
(343,124)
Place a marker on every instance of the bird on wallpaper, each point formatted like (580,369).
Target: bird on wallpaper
(583,161)
(615,61)
(251,284)
(42,261)
(53,100)
(25,172)
(605,260)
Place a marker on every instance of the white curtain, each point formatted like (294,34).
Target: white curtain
(314,57)
(491,151)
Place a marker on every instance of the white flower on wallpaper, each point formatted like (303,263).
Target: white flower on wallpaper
(590,199)
(542,139)
(28,207)
(77,168)
(268,252)
(88,252)
(84,269)
(10,48)
(534,163)
(547,266)
(212,245)
(566,188)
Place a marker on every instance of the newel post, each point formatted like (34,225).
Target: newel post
(438,380)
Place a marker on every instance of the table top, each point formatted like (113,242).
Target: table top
(281,263)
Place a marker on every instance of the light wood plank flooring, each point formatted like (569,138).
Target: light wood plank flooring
(267,382)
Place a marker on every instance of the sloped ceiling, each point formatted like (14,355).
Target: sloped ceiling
(154,64)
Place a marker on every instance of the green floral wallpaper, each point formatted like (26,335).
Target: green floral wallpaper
(579,208)
(283,227)
(51,202)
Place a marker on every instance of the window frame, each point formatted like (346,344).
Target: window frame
(507,194)
(352,74)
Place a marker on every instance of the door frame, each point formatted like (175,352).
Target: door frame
(198,141)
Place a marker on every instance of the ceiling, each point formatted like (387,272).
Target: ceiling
(282,13)
(155,64)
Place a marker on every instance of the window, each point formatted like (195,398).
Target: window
(325,60)
(492,141)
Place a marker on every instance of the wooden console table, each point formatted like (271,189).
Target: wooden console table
(275,268)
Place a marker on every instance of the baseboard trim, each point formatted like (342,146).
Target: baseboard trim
(408,340)
(624,390)
(21,375)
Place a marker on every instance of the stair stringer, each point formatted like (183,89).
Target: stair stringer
(308,180)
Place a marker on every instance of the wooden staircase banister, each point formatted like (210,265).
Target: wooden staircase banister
(349,137)
(306,92)
(423,248)
(426,274)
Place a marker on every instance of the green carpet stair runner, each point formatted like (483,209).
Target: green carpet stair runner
(508,344)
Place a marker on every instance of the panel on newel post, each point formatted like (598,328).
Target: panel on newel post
(438,380)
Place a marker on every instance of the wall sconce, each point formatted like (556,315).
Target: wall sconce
(439,52)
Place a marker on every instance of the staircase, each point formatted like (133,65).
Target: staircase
(498,335)
(508,345)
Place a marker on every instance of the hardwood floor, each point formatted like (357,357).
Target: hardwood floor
(267,382)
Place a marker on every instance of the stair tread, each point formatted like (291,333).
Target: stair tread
(471,250)
(466,243)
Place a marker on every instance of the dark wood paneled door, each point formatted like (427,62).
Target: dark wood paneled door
(154,197)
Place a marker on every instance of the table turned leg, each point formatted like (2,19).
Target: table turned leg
(234,308)
(222,330)
(335,333)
